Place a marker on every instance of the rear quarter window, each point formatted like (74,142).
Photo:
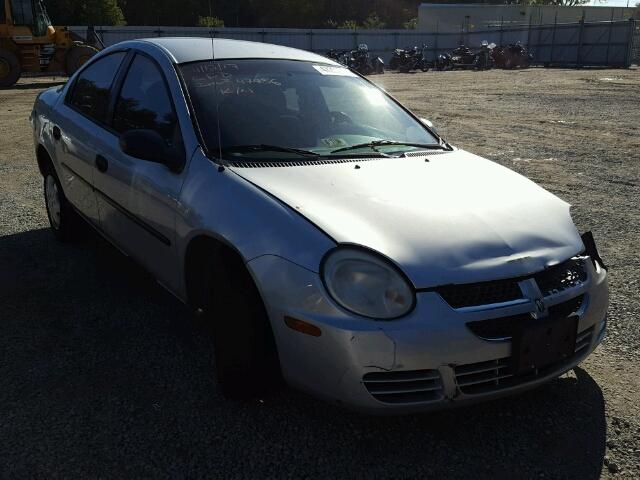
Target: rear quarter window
(91,91)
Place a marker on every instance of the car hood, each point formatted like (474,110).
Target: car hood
(443,218)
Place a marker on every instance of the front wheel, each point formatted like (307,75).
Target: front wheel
(63,218)
(9,69)
(246,357)
(77,56)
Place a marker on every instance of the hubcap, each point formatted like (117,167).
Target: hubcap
(53,201)
(5,68)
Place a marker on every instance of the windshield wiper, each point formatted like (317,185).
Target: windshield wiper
(382,143)
(269,148)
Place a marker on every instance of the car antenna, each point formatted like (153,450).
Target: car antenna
(215,91)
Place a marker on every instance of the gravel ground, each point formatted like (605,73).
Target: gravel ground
(104,374)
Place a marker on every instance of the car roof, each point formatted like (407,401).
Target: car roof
(192,49)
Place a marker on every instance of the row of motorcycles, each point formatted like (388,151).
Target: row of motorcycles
(359,60)
(513,55)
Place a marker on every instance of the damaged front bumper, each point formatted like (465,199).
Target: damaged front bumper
(430,359)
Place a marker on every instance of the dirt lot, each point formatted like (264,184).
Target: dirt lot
(103,373)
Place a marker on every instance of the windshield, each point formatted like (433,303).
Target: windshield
(42,19)
(304,107)
(32,14)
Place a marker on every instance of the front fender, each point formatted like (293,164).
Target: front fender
(217,202)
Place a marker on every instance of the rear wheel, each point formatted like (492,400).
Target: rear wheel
(9,69)
(77,56)
(246,358)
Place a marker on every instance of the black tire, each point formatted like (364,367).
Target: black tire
(77,56)
(246,357)
(9,69)
(64,220)
(393,63)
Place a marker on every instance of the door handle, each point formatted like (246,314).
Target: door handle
(101,163)
(57,134)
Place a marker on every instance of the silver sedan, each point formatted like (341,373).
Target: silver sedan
(327,235)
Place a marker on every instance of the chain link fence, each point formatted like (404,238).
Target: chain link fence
(636,45)
(605,44)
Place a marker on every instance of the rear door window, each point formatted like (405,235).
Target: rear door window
(90,93)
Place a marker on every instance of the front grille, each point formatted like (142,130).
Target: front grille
(471,294)
(502,328)
(561,277)
(495,375)
(553,280)
(565,309)
(417,386)
(497,328)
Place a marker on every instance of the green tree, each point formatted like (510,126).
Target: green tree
(349,25)
(373,22)
(411,24)
(85,12)
(212,22)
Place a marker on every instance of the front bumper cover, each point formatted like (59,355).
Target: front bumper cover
(433,338)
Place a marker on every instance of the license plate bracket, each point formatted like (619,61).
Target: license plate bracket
(538,343)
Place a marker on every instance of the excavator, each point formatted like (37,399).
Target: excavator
(29,43)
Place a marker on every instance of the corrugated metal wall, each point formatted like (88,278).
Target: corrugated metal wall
(453,17)
(583,44)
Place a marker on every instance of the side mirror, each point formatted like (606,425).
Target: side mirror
(429,124)
(150,146)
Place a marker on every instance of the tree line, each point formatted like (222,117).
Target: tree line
(238,13)
(250,13)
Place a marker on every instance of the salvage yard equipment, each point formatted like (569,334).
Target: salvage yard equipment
(29,43)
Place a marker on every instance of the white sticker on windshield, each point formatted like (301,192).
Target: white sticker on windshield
(334,70)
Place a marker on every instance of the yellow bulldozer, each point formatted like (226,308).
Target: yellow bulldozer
(29,43)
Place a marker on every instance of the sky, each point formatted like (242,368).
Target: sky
(614,3)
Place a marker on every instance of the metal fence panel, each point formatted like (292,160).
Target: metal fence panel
(573,44)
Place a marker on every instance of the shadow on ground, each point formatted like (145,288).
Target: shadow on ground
(29,84)
(103,373)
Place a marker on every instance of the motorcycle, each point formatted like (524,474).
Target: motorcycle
(464,58)
(397,57)
(514,55)
(413,59)
(484,58)
(360,60)
(337,55)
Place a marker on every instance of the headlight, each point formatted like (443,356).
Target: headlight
(366,284)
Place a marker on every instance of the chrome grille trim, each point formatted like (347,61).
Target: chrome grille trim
(404,387)
(567,276)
